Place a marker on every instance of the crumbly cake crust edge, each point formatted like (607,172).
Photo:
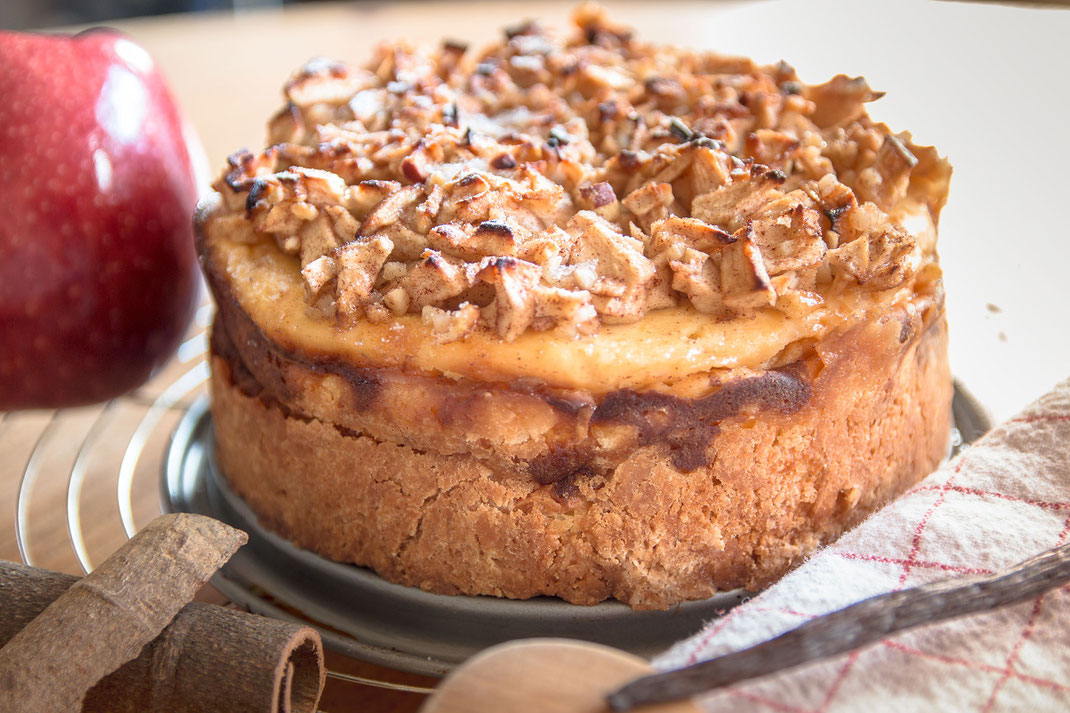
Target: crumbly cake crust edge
(646,534)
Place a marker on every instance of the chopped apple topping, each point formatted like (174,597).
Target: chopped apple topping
(563,183)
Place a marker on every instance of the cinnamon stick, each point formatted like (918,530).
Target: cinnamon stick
(214,659)
(226,659)
(104,620)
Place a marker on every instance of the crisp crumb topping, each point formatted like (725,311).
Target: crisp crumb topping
(563,183)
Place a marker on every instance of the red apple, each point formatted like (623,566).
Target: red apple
(97,271)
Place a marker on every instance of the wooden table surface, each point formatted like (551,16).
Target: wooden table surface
(984,83)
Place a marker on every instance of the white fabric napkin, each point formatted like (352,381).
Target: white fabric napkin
(1002,500)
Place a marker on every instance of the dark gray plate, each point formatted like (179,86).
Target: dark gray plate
(362,616)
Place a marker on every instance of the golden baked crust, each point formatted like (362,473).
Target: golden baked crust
(587,318)
(789,465)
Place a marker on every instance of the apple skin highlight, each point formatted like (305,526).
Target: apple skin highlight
(98,277)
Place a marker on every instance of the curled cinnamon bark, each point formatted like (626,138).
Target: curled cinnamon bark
(104,620)
(208,659)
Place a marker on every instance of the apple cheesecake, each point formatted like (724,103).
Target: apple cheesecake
(575,315)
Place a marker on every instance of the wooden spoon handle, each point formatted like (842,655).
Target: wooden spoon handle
(857,625)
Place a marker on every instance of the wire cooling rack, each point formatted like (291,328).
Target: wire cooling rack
(82,481)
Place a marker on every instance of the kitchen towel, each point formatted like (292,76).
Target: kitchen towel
(1000,501)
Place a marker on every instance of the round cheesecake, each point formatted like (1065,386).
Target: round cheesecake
(575,316)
